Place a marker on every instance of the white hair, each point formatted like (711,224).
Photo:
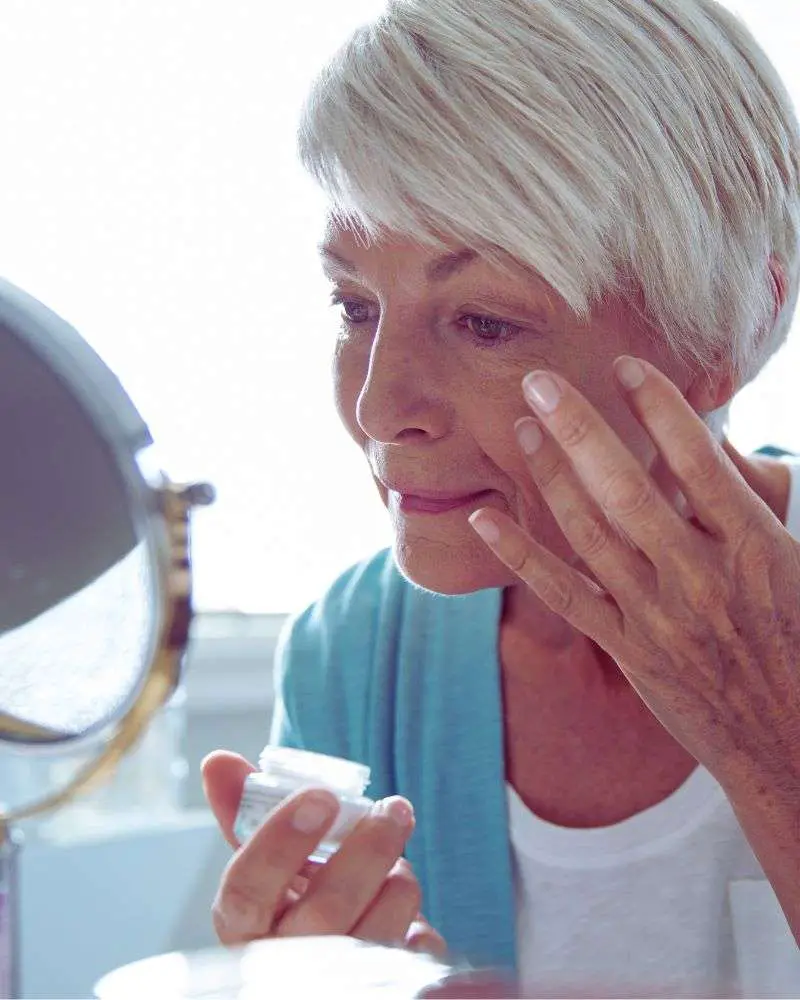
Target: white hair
(609,145)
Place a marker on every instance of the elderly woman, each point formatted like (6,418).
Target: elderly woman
(579,661)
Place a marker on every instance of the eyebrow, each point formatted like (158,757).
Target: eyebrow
(441,269)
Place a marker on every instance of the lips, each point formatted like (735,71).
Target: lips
(435,496)
(413,500)
(410,504)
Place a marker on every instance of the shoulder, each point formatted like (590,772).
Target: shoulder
(342,618)
(331,655)
(373,645)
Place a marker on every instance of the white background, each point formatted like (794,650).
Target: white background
(150,194)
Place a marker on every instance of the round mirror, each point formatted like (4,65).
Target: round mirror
(89,552)
(94,578)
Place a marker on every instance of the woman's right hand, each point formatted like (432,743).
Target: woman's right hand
(269,888)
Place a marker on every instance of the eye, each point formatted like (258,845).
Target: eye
(354,311)
(489,330)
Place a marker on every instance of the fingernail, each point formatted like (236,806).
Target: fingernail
(542,391)
(485,527)
(397,810)
(529,435)
(629,372)
(315,812)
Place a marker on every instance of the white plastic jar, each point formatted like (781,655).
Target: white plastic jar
(284,771)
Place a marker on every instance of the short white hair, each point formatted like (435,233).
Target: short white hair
(609,145)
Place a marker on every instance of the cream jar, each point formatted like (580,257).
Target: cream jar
(284,771)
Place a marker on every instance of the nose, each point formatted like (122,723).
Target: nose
(401,397)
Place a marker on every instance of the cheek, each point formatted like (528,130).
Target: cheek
(599,389)
(494,435)
(348,377)
(624,424)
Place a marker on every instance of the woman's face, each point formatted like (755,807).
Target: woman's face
(428,370)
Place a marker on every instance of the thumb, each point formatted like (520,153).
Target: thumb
(422,937)
(767,478)
(747,469)
(223,775)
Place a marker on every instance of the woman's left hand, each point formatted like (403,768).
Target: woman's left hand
(701,615)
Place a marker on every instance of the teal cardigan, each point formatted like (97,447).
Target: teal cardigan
(408,682)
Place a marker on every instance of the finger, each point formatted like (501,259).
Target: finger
(611,556)
(768,479)
(749,473)
(260,874)
(708,478)
(564,590)
(223,774)
(341,892)
(612,476)
(391,914)
(422,937)
(293,893)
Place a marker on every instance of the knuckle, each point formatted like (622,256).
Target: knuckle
(407,889)
(573,430)
(241,903)
(629,493)
(549,470)
(274,849)
(517,557)
(557,595)
(699,462)
(703,592)
(238,916)
(590,533)
(709,593)
(549,586)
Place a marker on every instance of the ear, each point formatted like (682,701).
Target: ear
(780,285)
(706,394)
(709,393)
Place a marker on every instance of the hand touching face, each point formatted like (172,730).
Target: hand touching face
(701,615)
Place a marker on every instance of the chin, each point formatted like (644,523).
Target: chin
(448,569)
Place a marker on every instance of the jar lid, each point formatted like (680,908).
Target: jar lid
(345,776)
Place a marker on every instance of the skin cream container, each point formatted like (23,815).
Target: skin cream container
(284,771)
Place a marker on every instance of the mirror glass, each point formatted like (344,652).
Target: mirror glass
(80,607)
(99,638)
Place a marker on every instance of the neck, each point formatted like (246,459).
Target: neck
(581,747)
(529,617)
(540,652)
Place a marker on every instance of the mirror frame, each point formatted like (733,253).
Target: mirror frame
(161,514)
(164,673)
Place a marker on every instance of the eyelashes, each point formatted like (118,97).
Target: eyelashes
(349,306)
(486,331)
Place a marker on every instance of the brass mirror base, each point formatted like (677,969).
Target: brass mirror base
(176,502)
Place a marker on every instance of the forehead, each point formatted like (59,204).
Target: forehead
(344,247)
(348,251)
(350,238)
